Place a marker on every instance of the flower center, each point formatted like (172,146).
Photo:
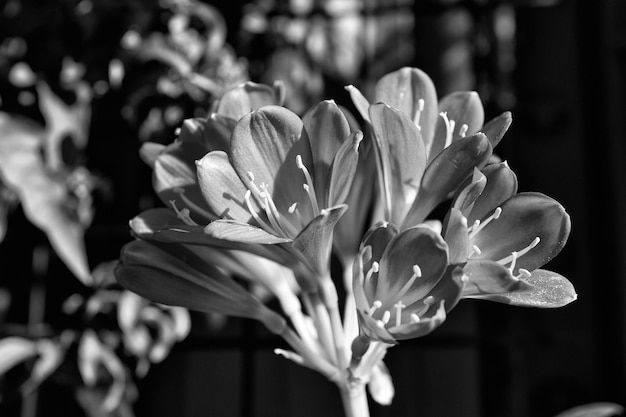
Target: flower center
(399,305)
(513,257)
(274,222)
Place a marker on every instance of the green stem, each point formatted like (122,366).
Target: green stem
(354,401)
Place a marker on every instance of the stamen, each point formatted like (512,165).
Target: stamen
(255,215)
(270,209)
(293,209)
(252,187)
(478,225)
(194,206)
(375,306)
(386,317)
(373,270)
(428,301)
(523,273)
(512,258)
(183,214)
(463,130)
(449,128)
(308,187)
(475,251)
(418,113)
(417,273)
(399,306)
(474,226)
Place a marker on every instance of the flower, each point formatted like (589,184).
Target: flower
(509,237)
(174,170)
(425,148)
(402,284)
(176,275)
(283,181)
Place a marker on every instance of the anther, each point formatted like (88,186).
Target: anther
(417,273)
(375,306)
(428,300)
(415,318)
(478,225)
(475,251)
(386,317)
(449,128)
(418,113)
(463,130)
(373,270)
(183,214)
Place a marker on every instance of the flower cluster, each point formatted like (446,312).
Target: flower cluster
(257,194)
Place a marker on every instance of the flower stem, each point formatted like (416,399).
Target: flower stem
(354,401)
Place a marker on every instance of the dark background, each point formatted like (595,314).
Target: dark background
(560,73)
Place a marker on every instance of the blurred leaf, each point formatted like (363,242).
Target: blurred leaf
(593,410)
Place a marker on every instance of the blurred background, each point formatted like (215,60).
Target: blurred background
(119,73)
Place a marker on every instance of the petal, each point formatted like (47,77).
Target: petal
(421,328)
(402,154)
(359,101)
(343,170)
(421,246)
(501,185)
(241,232)
(377,239)
(497,127)
(150,151)
(221,187)
(349,229)
(543,289)
(265,143)
(488,277)
(457,238)
(403,89)
(446,173)
(381,386)
(151,221)
(315,241)
(462,107)
(212,133)
(326,128)
(195,235)
(244,98)
(525,217)
(465,199)
(175,180)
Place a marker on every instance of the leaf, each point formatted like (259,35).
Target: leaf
(43,194)
(593,410)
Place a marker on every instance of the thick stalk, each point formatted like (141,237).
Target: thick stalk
(355,401)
